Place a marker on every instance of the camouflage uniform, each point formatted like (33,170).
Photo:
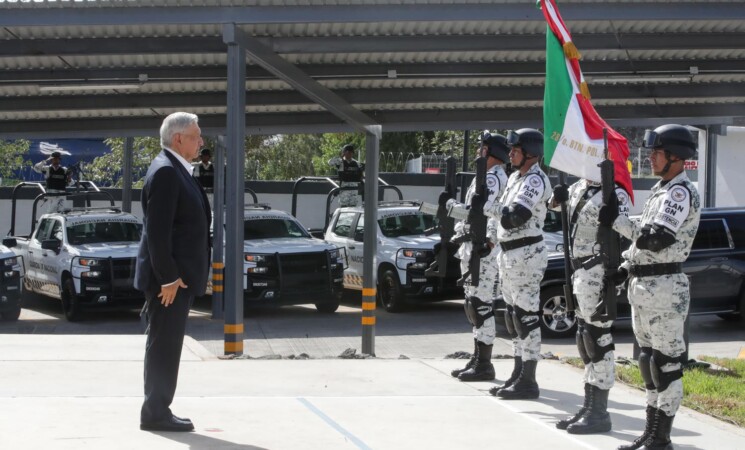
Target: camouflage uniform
(521,269)
(496,180)
(588,283)
(660,302)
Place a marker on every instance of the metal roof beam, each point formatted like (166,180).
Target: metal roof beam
(264,124)
(344,99)
(296,78)
(133,15)
(321,71)
(368,44)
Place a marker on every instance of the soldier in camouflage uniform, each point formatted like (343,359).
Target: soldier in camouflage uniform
(594,340)
(350,176)
(479,299)
(658,289)
(523,259)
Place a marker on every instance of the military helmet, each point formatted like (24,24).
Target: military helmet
(497,146)
(56,155)
(529,139)
(347,148)
(205,152)
(675,139)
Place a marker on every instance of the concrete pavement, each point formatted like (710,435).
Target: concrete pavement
(85,391)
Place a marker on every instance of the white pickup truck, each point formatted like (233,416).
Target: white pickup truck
(404,253)
(84,257)
(284,265)
(11,276)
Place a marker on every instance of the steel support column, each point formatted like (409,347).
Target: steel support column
(236,132)
(369,277)
(464,167)
(127,175)
(218,235)
(710,188)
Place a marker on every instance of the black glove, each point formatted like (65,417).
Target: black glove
(655,238)
(483,251)
(561,193)
(476,207)
(608,213)
(619,276)
(443,199)
(514,216)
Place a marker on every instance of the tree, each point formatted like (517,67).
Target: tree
(106,170)
(11,155)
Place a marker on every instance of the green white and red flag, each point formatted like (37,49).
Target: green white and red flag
(573,129)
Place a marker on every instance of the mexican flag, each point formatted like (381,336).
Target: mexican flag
(573,129)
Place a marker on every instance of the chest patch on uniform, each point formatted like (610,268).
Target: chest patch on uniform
(678,194)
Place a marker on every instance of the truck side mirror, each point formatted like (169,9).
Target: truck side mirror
(10,242)
(51,244)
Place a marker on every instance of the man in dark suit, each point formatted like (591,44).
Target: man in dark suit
(172,263)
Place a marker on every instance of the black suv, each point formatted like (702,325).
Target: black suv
(715,268)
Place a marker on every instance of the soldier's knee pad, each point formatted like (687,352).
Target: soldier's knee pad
(581,342)
(663,379)
(524,328)
(478,311)
(509,314)
(590,335)
(645,361)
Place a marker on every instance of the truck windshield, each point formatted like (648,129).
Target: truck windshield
(99,232)
(408,225)
(272,228)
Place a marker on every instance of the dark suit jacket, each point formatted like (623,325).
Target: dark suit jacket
(175,240)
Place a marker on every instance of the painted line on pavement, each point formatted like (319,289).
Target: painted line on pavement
(505,404)
(355,440)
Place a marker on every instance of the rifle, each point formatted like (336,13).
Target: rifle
(608,240)
(476,226)
(568,289)
(445,224)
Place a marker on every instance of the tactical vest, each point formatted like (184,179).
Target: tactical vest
(206,176)
(350,171)
(57,178)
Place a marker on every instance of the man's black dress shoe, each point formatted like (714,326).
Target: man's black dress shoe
(171,424)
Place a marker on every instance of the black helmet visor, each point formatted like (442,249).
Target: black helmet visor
(513,138)
(651,139)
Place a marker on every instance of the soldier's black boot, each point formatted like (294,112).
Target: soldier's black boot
(471,362)
(564,423)
(525,387)
(484,369)
(596,419)
(660,439)
(649,431)
(516,369)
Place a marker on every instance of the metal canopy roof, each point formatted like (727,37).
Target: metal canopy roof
(406,65)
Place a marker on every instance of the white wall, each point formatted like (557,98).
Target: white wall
(730,171)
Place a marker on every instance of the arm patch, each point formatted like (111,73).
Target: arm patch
(531,191)
(674,209)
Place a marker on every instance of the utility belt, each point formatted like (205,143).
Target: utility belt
(651,270)
(586,262)
(517,243)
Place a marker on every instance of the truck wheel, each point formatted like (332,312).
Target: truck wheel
(555,321)
(11,315)
(389,292)
(329,307)
(70,302)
